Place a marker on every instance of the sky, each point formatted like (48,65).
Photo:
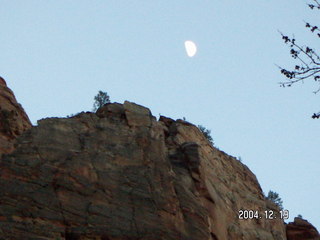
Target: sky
(56,55)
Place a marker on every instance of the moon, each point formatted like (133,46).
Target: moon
(191,48)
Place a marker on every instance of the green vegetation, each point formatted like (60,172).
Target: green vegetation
(274,197)
(100,99)
(207,133)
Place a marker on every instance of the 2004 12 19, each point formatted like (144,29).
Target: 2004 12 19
(245,214)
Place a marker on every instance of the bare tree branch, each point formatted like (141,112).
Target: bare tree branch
(309,60)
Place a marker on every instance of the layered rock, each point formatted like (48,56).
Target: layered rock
(301,229)
(119,174)
(13,119)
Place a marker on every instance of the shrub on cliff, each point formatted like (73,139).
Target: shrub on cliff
(206,132)
(100,99)
(274,197)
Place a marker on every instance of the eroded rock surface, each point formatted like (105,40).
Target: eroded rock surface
(119,174)
(301,229)
(13,119)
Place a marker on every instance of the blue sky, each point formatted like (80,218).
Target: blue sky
(56,55)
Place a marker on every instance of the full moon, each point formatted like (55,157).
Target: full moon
(191,48)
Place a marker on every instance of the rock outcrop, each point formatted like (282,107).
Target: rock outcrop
(301,229)
(120,174)
(13,120)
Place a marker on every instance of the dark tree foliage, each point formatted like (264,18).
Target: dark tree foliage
(100,99)
(308,66)
(274,197)
(207,133)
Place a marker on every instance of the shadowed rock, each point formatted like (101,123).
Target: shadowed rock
(301,229)
(13,120)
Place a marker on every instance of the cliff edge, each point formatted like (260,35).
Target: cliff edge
(121,174)
(13,119)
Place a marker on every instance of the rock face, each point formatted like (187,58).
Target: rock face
(13,120)
(301,229)
(119,174)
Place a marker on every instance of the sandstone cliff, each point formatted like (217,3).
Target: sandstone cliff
(120,174)
(301,229)
(13,119)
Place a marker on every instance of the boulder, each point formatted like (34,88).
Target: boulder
(137,115)
(301,229)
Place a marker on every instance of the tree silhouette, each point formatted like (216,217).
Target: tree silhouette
(100,99)
(274,197)
(207,133)
(308,66)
